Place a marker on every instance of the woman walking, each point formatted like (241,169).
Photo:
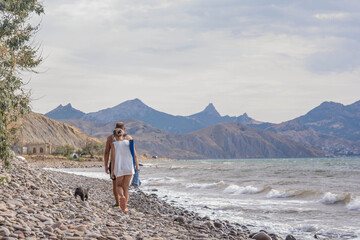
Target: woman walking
(122,165)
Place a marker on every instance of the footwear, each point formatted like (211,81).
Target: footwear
(123,203)
(115,205)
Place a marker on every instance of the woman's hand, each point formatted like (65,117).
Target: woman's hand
(107,169)
(136,166)
(112,175)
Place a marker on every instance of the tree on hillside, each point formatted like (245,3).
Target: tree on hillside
(16,55)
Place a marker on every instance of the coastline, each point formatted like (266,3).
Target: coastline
(51,161)
(37,203)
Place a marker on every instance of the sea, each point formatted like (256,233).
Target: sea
(303,197)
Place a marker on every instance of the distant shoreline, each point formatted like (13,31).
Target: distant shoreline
(58,161)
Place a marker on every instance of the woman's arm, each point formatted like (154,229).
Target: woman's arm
(112,160)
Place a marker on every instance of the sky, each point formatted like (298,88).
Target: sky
(274,60)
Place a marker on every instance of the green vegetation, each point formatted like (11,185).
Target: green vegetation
(79,159)
(2,179)
(16,56)
(93,148)
(64,150)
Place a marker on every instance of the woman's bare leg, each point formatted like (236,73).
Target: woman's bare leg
(125,186)
(119,184)
(116,195)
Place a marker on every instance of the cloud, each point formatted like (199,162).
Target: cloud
(194,52)
(331,16)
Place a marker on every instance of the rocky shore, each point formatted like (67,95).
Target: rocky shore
(40,204)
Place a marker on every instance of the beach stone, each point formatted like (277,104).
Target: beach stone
(49,229)
(275,237)
(49,233)
(3,206)
(41,217)
(81,228)
(180,219)
(22,228)
(27,209)
(48,222)
(43,194)
(261,236)
(36,193)
(4,231)
(93,235)
(112,238)
(31,238)
(210,224)
(290,237)
(15,185)
(6,177)
(218,225)
(139,236)
(8,214)
(14,202)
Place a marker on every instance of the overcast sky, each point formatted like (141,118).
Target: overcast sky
(274,60)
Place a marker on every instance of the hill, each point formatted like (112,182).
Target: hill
(37,128)
(224,140)
(331,126)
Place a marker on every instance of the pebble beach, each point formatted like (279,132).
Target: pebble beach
(40,204)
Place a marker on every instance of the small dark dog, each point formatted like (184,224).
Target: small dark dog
(83,193)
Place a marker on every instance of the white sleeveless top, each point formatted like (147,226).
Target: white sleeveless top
(123,159)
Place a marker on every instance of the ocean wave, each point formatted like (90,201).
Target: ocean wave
(235,189)
(354,204)
(278,194)
(288,194)
(309,228)
(332,198)
(205,185)
(177,167)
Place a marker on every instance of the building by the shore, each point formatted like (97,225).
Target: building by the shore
(34,148)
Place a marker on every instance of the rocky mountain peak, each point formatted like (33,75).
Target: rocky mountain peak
(211,110)
(131,106)
(65,112)
(330,105)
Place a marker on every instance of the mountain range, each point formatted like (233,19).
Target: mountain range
(136,109)
(331,127)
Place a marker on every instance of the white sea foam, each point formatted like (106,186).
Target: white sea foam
(278,194)
(204,185)
(157,181)
(332,198)
(235,189)
(354,204)
(308,228)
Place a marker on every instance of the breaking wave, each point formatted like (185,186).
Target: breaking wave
(278,194)
(288,194)
(332,198)
(354,204)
